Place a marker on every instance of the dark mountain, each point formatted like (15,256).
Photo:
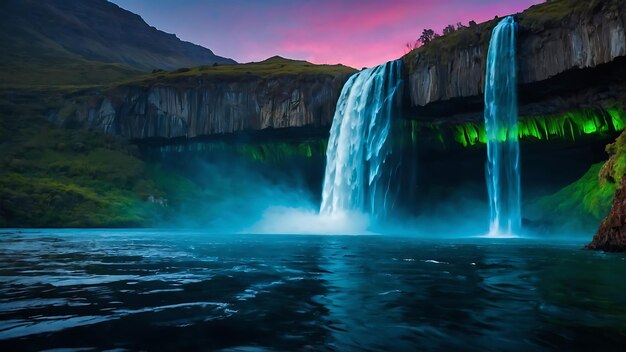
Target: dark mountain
(86,41)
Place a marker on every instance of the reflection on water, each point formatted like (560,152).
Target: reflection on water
(153,290)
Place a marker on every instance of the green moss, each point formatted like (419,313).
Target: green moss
(586,200)
(615,168)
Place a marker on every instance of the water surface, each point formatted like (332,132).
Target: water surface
(163,290)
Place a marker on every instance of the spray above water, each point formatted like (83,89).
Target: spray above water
(357,182)
(501,115)
(356,177)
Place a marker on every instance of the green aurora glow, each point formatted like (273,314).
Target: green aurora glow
(569,126)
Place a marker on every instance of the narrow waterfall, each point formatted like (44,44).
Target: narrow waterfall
(357,177)
(503,152)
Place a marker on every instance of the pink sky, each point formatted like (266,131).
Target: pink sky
(352,32)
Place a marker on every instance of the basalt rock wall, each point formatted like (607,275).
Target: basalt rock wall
(210,106)
(555,41)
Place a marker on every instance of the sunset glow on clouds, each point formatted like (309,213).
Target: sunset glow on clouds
(353,32)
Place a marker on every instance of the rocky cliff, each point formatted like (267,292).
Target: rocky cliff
(611,236)
(446,76)
(276,93)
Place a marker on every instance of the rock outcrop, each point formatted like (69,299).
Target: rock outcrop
(611,236)
(197,106)
(553,38)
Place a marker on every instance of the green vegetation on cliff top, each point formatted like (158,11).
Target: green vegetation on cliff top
(272,67)
(534,19)
(76,74)
(555,12)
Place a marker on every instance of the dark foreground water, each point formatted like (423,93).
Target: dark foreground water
(129,290)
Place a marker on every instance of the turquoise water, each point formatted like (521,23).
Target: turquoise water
(180,290)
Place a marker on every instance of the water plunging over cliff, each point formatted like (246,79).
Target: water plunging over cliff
(356,177)
(503,153)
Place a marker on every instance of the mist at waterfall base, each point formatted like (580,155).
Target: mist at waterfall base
(238,195)
(242,197)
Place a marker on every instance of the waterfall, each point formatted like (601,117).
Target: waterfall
(503,152)
(357,177)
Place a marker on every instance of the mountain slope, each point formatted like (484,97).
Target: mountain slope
(86,41)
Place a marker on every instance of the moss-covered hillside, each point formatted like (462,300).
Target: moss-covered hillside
(53,177)
(584,203)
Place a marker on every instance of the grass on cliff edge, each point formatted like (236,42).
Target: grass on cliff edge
(69,74)
(272,67)
(534,19)
(55,177)
(552,13)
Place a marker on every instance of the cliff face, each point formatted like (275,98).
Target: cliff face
(209,106)
(553,38)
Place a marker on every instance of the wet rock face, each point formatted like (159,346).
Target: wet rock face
(455,71)
(611,236)
(211,106)
(462,75)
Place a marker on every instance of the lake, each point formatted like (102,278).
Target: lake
(186,290)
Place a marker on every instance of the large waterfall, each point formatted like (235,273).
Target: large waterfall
(357,178)
(503,152)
